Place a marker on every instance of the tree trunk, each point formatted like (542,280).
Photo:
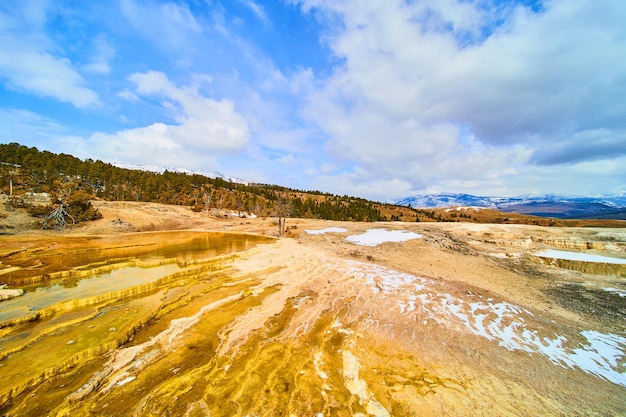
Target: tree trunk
(281,226)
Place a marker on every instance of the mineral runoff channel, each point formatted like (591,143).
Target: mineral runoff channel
(83,298)
(216,324)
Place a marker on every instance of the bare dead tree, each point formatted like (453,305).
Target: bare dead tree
(254,209)
(59,215)
(219,200)
(137,192)
(10,171)
(207,202)
(283,210)
(239,204)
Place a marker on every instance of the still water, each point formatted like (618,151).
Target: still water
(73,260)
(25,258)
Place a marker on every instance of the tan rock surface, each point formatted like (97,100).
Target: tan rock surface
(460,322)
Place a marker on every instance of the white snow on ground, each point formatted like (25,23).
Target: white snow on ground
(621,293)
(384,279)
(242,214)
(508,325)
(374,237)
(464,208)
(577,256)
(327,230)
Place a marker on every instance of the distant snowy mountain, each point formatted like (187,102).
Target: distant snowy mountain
(549,205)
(446,200)
(154,168)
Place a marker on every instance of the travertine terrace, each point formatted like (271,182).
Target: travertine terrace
(461,319)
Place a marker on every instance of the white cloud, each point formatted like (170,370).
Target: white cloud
(128,95)
(272,126)
(24,126)
(477,96)
(43,74)
(287,160)
(417,79)
(204,129)
(585,145)
(585,178)
(256,9)
(169,25)
(103,53)
(352,184)
(26,65)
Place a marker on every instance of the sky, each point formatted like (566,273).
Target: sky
(380,99)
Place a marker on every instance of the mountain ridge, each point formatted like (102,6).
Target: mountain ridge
(160,170)
(545,205)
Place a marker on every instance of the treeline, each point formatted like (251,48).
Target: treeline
(440,218)
(336,208)
(29,170)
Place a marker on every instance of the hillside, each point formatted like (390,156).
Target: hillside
(28,170)
(28,173)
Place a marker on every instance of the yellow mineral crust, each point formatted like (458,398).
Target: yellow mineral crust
(316,326)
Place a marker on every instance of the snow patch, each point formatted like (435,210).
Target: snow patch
(464,208)
(374,237)
(577,256)
(510,326)
(621,293)
(327,230)
(384,279)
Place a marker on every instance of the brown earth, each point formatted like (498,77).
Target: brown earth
(314,325)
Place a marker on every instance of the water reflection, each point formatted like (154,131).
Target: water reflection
(92,286)
(40,256)
(54,272)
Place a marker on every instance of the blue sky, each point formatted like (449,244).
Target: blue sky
(376,98)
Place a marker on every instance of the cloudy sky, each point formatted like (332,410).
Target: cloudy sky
(376,98)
